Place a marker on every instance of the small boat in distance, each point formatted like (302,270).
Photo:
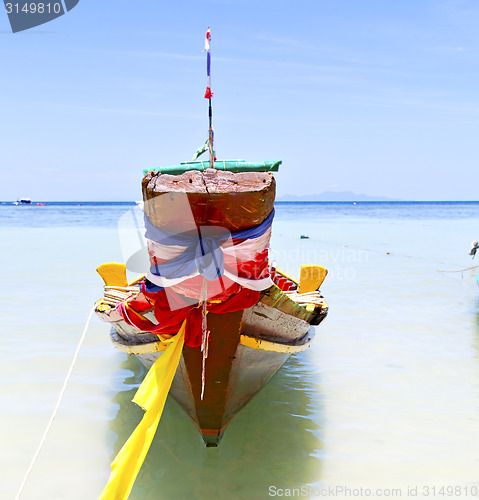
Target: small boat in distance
(23,201)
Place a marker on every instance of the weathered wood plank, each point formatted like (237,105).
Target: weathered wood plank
(212,198)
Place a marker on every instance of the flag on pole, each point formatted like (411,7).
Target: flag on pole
(208,92)
(201,150)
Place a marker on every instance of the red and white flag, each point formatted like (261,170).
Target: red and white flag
(208,92)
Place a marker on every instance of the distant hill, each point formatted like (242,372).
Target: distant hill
(333,196)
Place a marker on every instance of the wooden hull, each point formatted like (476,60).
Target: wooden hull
(246,347)
(245,351)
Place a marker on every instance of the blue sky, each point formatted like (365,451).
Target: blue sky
(375,97)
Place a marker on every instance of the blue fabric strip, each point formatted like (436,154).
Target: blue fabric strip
(170,238)
(254,232)
(150,287)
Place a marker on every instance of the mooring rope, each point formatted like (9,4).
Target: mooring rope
(381,252)
(458,271)
(55,411)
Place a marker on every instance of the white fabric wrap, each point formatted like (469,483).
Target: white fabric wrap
(244,251)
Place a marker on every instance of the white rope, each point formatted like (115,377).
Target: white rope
(458,271)
(205,334)
(55,411)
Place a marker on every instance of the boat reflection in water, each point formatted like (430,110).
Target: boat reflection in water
(274,441)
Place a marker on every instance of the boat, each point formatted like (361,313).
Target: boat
(209,291)
(247,345)
(23,201)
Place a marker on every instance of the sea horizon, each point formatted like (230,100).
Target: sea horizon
(280,202)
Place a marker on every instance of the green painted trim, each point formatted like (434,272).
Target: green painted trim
(230,166)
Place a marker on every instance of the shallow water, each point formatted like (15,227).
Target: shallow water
(387,398)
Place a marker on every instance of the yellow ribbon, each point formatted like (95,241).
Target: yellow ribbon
(151,396)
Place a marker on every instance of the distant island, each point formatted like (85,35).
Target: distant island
(333,196)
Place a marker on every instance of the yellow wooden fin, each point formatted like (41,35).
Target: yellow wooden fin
(311,278)
(113,274)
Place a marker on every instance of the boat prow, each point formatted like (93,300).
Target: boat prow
(208,235)
(246,349)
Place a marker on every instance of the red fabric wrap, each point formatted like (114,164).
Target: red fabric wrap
(171,309)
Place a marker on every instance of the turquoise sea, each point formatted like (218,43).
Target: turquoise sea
(385,403)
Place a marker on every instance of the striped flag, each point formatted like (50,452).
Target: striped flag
(208,92)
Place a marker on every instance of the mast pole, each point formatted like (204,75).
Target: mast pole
(208,95)
(211,137)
